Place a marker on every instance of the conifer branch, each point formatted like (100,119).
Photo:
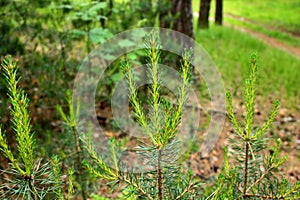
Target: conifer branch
(152,44)
(20,119)
(270,120)
(187,189)
(232,117)
(127,68)
(250,96)
(136,186)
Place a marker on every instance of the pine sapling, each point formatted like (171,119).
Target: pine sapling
(253,176)
(160,124)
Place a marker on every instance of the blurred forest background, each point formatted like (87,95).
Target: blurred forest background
(49,38)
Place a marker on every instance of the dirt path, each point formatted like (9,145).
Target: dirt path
(266,26)
(270,41)
(267,39)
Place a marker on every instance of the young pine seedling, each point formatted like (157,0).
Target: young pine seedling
(253,176)
(160,126)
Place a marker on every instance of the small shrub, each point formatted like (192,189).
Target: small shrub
(253,173)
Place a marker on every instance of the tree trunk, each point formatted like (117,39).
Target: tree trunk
(204,14)
(181,20)
(219,12)
(184,22)
(182,16)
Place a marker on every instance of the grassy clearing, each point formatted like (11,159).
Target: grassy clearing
(271,17)
(230,49)
(281,14)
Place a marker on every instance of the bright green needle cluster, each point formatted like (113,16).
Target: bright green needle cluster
(247,131)
(161,130)
(20,120)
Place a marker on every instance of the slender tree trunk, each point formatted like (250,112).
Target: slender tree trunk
(204,14)
(181,20)
(182,16)
(219,12)
(184,22)
(188,18)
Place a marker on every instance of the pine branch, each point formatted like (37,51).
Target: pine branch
(232,117)
(250,96)
(187,189)
(153,52)
(20,119)
(259,180)
(127,68)
(79,161)
(136,186)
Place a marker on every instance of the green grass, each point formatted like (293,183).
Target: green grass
(283,14)
(231,50)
